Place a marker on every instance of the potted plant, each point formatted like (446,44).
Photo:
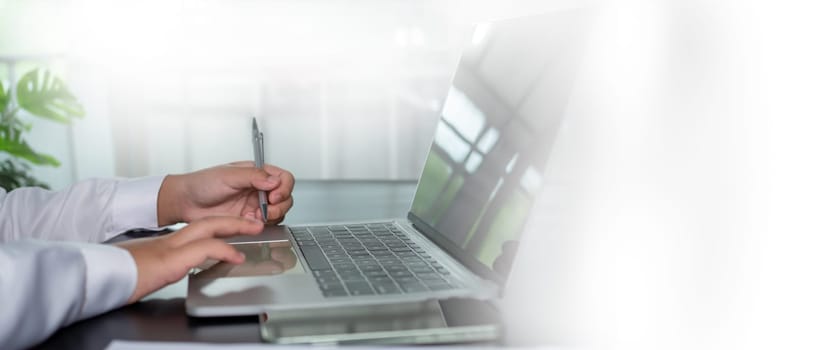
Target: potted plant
(41,94)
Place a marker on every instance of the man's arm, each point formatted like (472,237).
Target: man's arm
(96,210)
(48,285)
(90,211)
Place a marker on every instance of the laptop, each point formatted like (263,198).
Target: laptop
(476,190)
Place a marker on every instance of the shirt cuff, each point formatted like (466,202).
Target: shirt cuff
(135,204)
(110,280)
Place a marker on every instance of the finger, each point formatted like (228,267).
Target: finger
(242,163)
(283,191)
(239,177)
(268,183)
(223,226)
(251,204)
(279,172)
(269,216)
(270,169)
(279,182)
(253,213)
(250,213)
(278,211)
(195,253)
(276,221)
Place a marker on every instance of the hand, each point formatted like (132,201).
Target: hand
(166,259)
(262,259)
(226,190)
(265,261)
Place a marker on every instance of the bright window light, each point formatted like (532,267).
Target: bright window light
(463,115)
(451,143)
(474,161)
(488,140)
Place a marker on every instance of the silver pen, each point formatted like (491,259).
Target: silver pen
(259,161)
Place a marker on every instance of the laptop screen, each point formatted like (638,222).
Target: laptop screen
(496,131)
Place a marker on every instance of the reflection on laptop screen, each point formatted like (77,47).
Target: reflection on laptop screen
(496,131)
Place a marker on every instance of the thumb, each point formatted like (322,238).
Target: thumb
(249,177)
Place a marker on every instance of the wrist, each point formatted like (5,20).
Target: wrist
(168,206)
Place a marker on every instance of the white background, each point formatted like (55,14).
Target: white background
(676,210)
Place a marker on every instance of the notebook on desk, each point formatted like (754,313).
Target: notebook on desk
(484,167)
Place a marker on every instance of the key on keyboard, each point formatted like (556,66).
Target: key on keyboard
(366,259)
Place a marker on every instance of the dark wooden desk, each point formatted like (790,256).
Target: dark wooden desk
(162,317)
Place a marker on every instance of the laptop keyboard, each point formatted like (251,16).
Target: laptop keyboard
(368,259)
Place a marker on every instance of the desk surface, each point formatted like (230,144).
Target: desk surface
(162,317)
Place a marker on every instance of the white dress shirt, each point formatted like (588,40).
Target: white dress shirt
(50,276)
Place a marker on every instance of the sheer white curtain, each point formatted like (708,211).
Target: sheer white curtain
(342,89)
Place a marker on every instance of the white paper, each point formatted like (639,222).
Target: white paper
(146,345)
(142,345)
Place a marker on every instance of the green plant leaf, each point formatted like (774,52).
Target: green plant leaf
(4,98)
(15,174)
(47,96)
(19,148)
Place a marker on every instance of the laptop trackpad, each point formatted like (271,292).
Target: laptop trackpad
(270,275)
(277,234)
(262,259)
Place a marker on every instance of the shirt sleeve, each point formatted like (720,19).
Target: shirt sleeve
(48,285)
(91,211)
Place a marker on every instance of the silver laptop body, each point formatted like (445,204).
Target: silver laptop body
(492,141)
